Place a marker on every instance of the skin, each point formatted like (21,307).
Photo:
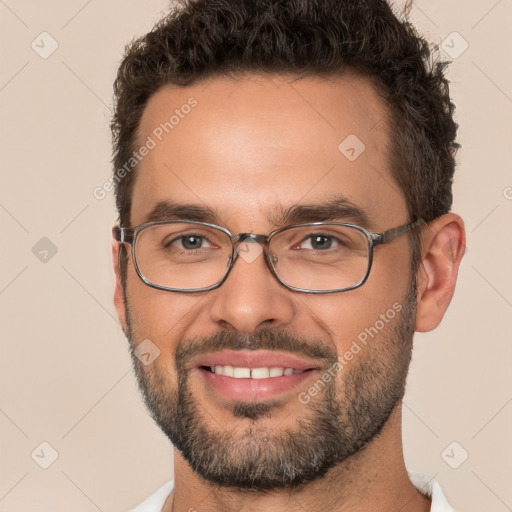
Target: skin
(250,147)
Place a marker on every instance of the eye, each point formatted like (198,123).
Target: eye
(190,242)
(318,242)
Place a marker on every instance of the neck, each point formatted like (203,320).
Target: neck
(374,479)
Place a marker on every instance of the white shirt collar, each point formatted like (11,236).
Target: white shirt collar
(431,489)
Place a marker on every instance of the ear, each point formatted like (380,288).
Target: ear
(118,291)
(443,245)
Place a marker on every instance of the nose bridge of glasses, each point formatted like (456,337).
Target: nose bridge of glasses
(249,238)
(249,246)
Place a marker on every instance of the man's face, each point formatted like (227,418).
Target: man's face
(249,151)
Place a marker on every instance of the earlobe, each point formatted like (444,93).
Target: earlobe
(443,246)
(118,291)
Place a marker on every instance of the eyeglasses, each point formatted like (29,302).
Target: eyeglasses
(318,257)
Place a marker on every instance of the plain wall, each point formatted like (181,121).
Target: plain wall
(65,371)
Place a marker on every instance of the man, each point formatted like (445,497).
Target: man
(283,175)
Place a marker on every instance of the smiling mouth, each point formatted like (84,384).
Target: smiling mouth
(249,376)
(264,372)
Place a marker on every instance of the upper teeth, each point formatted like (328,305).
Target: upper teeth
(252,373)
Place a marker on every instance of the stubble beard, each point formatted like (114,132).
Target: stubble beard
(347,414)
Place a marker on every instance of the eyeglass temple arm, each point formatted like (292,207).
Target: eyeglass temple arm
(391,234)
(123,235)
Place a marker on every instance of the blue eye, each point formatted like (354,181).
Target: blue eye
(319,242)
(191,242)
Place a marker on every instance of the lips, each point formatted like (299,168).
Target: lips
(253,375)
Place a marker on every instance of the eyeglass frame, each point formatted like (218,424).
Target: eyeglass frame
(125,235)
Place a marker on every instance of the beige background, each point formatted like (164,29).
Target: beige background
(65,370)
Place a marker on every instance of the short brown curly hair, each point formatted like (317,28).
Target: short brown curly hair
(203,38)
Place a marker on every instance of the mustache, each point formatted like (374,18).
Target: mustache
(266,339)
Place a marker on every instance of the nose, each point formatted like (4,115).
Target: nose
(251,298)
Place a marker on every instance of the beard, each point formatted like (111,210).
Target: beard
(349,412)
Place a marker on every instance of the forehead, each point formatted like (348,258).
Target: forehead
(252,145)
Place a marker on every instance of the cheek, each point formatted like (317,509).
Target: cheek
(391,275)
(362,315)
(156,315)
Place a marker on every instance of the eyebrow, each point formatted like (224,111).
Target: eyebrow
(336,209)
(169,210)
